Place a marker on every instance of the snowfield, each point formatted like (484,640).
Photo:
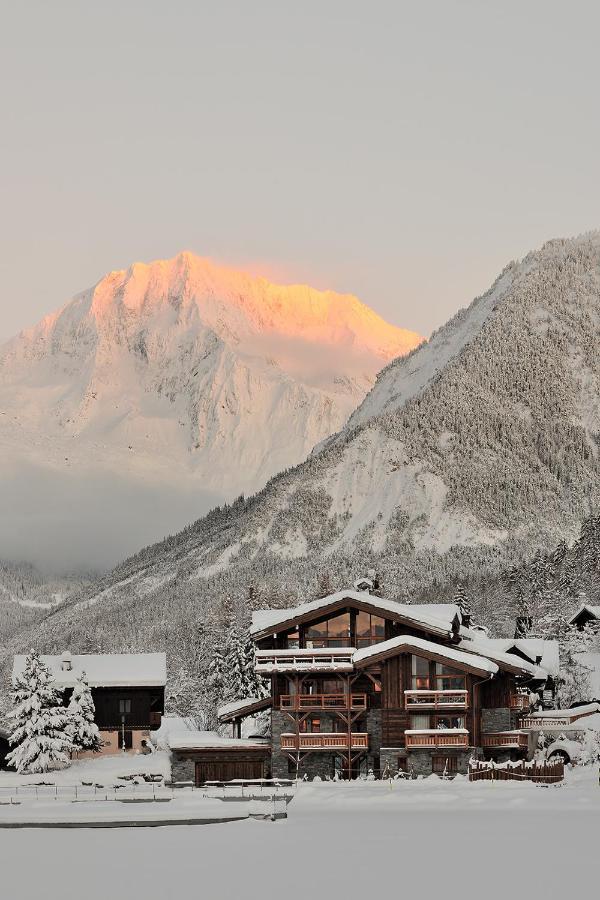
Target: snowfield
(424,839)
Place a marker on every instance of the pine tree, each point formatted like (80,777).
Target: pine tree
(82,728)
(255,685)
(236,684)
(40,735)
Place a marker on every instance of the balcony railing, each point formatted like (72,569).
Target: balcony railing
(437,737)
(539,722)
(325,741)
(318,660)
(519,701)
(436,699)
(323,701)
(511,739)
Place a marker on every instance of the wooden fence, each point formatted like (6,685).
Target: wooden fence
(540,772)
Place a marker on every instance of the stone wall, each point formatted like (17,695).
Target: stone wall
(182,768)
(496,720)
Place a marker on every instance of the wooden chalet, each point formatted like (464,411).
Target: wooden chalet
(359,682)
(128,690)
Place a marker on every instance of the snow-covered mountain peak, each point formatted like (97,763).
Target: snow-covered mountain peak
(190,376)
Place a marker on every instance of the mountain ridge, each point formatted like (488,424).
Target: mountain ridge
(189,376)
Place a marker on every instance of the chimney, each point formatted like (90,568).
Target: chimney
(66,662)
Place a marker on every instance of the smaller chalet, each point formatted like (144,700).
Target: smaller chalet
(585,615)
(128,690)
(360,682)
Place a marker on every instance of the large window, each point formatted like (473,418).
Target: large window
(448,679)
(331,633)
(420,674)
(369,629)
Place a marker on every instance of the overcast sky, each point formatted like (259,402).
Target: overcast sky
(401,151)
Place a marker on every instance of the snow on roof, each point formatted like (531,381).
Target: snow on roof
(440,620)
(588,709)
(504,660)
(192,740)
(104,669)
(547,653)
(541,653)
(585,607)
(403,642)
(239,706)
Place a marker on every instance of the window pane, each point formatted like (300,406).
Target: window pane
(377,626)
(316,631)
(363,624)
(340,626)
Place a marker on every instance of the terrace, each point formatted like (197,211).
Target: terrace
(425,738)
(297,702)
(327,741)
(315,660)
(436,699)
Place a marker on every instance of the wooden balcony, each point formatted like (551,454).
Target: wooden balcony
(515,740)
(520,701)
(540,722)
(436,737)
(298,702)
(320,660)
(325,741)
(436,699)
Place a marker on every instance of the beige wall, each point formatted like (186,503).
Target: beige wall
(110,744)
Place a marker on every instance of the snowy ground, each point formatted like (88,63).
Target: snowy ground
(105,770)
(420,839)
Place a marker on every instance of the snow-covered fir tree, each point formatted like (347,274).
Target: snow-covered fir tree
(40,734)
(82,728)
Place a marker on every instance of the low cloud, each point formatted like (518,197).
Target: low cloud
(73,522)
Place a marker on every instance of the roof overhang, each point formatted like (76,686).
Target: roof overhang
(367,603)
(458,659)
(233,712)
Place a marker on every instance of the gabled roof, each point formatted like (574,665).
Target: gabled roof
(441,619)
(404,643)
(508,662)
(238,709)
(104,669)
(593,611)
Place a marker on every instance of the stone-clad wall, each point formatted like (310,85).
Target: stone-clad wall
(496,720)
(419,762)
(317,763)
(182,768)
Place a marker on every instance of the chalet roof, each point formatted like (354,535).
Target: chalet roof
(207,740)
(469,662)
(439,620)
(508,662)
(586,608)
(240,708)
(542,654)
(104,669)
(575,712)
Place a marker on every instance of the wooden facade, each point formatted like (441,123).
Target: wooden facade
(416,695)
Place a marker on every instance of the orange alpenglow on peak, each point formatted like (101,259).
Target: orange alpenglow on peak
(236,302)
